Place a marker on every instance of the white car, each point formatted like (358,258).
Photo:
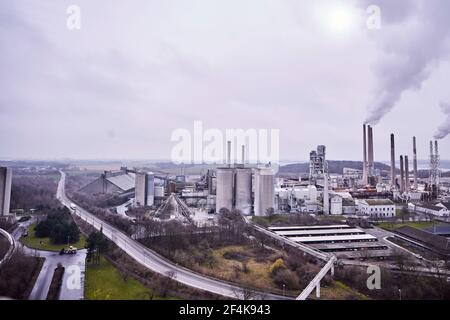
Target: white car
(73,206)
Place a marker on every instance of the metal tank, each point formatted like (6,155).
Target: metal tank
(264,190)
(224,188)
(244,190)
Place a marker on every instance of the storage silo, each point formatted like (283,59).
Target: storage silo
(244,190)
(224,188)
(150,189)
(264,191)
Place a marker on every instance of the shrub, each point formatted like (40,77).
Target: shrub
(277,266)
(287,278)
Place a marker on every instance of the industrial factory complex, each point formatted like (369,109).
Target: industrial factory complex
(258,190)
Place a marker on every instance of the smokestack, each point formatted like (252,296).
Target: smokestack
(229,153)
(370,155)
(407,184)
(393,160)
(402,176)
(436,148)
(415,163)
(243,154)
(364,156)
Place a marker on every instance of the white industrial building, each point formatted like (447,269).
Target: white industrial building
(5,190)
(438,210)
(382,208)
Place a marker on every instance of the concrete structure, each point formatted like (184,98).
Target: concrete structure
(402,176)
(5,190)
(244,190)
(365,174)
(415,163)
(144,189)
(393,173)
(112,183)
(316,164)
(370,156)
(264,191)
(224,189)
(407,182)
(382,208)
(336,205)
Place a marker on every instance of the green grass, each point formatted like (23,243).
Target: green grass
(34,242)
(418,225)
(105,282)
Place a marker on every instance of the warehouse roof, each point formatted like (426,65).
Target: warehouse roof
(430,206)
(126,181)
(438,242)
(318,232)
(349,238)
(334,226)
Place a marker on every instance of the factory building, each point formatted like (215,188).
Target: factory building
(109,182)
(342,240)
(316,164)
(5,190)
(264,191)
(144,189)
(382,208)
(438,210)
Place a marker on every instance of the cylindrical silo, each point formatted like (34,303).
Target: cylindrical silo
(244,190)
(224,188)
(264,191)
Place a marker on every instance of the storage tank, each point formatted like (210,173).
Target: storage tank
(244,190)
(264,190)
(224,188)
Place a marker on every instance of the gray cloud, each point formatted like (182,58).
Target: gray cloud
(444,129)
(414,38)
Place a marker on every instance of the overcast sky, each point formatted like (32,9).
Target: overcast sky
(137,70)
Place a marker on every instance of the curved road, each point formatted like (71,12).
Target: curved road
(155,262)
(12,246)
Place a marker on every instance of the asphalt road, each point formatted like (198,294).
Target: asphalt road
(73,280)
(155,262)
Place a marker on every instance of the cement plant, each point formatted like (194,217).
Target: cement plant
(205,153)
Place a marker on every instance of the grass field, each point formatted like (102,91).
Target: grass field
(418,225)
(32,241)
(105,282)
(338,291)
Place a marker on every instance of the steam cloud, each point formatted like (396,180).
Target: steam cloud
(408,60)
(444,129)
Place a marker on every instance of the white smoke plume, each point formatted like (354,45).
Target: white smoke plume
(444,129)
(409,60)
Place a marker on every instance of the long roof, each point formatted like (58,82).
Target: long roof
(125,181)
(334,226)
(357,237)
(319,232)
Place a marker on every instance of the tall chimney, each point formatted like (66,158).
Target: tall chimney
(415,163)
(436,150)
(402,176)
(393,174)
(407,184)
(229,153)
(370,151)
(364,156)
(243,154)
